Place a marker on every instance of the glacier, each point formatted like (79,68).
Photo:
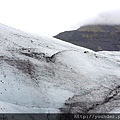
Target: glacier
(46,75)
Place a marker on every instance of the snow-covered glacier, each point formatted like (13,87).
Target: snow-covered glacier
(46,75)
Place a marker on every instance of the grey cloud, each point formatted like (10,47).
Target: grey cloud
(111,17)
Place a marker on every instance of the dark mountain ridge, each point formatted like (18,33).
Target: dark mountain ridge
(95,37)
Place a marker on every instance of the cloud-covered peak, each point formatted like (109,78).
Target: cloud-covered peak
(111,17)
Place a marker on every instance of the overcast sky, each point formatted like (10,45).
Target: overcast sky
(49,17)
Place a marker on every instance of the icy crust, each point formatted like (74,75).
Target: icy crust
(40,74)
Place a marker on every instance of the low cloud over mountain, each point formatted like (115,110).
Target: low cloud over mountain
(111,17)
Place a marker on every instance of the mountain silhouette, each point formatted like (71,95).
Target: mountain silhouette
(94,37)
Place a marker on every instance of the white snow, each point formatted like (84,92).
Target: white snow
(51,83)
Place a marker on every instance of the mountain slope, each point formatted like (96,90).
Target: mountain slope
(40,74)
(94,37)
